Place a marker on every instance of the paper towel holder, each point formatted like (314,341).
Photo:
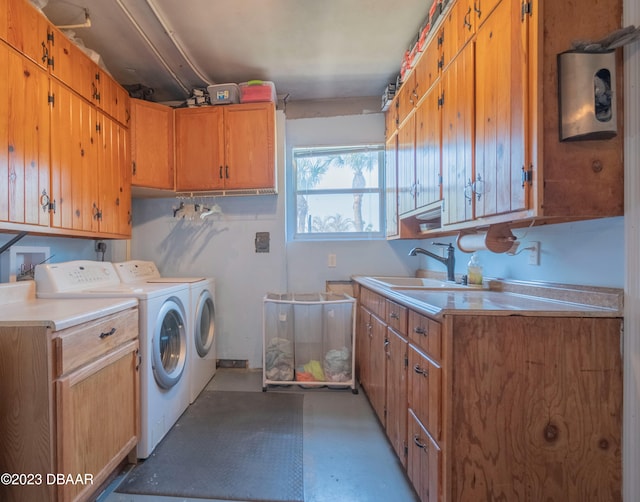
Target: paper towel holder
(497,238)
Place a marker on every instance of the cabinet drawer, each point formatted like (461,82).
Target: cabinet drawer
(425,333)
(397,317)
(81,344)
(423,462)
(425,391)
(374,302)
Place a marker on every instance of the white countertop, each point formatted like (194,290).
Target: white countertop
(20,307)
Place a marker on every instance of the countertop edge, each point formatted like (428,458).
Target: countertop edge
(592,309)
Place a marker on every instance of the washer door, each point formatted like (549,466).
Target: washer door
(204,324)
(169,345)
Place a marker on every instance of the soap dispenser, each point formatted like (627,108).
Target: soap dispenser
(474,271)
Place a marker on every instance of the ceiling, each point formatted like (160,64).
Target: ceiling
(310,49)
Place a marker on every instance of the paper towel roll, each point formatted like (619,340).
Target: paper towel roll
(497,239)
(468,243)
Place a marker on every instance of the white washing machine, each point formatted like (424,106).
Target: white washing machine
(202,340)
(163,328)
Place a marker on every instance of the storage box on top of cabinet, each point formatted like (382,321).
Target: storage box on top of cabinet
(309,338)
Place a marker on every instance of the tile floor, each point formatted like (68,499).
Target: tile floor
(347,457)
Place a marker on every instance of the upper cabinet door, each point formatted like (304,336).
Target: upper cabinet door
(457,138)
(24,140)
(27,31)
(152,145)
(500,90)
(4,11)
(250,146)
(459,27)
(199,135)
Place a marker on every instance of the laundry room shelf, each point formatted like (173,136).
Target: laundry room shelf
(309,340)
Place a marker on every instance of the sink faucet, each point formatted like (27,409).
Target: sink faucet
(449,261)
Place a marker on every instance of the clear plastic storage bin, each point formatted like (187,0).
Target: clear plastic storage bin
(309,339)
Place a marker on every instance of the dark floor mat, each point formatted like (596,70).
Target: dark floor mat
(230,446)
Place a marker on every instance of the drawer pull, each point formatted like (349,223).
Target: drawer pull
(420,330)
(416,440)
(420,371)
(394,315)
(108,333)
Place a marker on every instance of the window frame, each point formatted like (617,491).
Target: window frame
(293,191)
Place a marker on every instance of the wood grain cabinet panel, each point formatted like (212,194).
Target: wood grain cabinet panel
(27,31)
(500,113)
(396,317)
(152,145)
(425,391)
(396,394)
(72,413)
(391,187)
(250,146)
(24,140)
(4,10)
(424,463)
(228,147)
(458,138)
(426,334)
(542,398)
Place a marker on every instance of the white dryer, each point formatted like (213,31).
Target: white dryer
(202,339)
(163,329)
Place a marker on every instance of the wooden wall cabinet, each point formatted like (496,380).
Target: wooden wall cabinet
(62,172)
(502,160)
(71,403)
(391,187)
(152,147)
(230,147)
(24,141)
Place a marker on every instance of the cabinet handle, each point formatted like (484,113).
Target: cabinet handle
(135,169)
(417,369)
(478,187)
(45,53)
(386,342)
(44,201)
(394,315)
(108,333)
(476,7)
(467,19)
(419,330)
(226,172)
(220,172)
(416,440)
(468,192)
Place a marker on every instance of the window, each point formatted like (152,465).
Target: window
(337,193)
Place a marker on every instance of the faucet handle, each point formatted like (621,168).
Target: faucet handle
(442,244)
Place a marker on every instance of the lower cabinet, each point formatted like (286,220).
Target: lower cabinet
(70,412)
(423,461)
(498,407)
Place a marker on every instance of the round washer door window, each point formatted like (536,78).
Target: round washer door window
(169,345)
(205,324)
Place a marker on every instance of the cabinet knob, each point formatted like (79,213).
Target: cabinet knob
(419,330)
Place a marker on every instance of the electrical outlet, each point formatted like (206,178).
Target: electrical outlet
(331,260)
(534,253)
(101,247)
